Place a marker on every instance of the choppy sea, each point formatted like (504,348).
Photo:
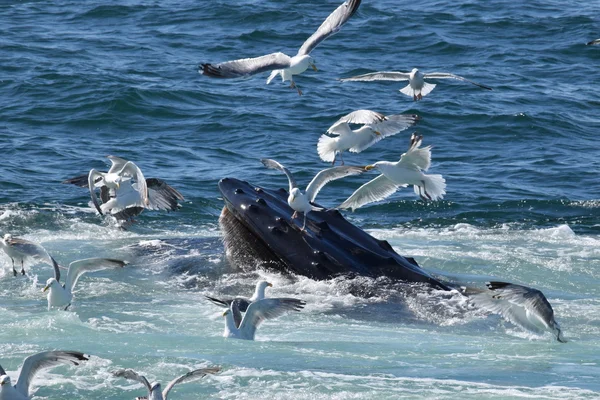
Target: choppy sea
(80,80)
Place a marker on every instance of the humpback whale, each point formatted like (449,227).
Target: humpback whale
(256,224)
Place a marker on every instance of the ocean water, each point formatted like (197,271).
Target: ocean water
(79,80)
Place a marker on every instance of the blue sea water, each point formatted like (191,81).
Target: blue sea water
(80,80)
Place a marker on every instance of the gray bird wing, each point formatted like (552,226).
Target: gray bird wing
(330,26)
(328,175)
(445,75)
(246,66)
(380,76)
(192,375)
(375,190)
(33,364)
(134,376)
(275,165)
(261,310)
(80,267)
(162,196)
(92,182)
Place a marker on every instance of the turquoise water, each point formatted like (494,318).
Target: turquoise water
(79,81)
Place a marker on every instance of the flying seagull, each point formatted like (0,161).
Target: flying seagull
(523,306)
(301,202)
(394,175)
(61,295)
(257,312)
(21,249)
(417,87)
(31,366)
(154,389)
(282,64)
(122,198)
(597,41)
(375,126)
(243,303)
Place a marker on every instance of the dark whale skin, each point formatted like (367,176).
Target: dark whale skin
(257,222)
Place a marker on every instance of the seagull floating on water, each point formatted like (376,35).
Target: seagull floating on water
(242,303)
(523,306)
(280,63)
(375,126)
(21,249)
(417,87)
(394,175)
(122,198)
(31,366)
(256,313)
(62,295)
(301,202)
(154,389)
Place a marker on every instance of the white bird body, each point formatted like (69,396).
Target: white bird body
(60,296)
(125,196)
(417,87)
(298,64)
(394,175)
(30,368)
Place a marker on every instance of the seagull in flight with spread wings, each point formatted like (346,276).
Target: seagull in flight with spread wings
(375,126)
(301,202)
(417,87)
(280,63)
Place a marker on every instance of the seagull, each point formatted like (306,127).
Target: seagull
(280,63)
(417,87)
(597,41)
(31,366)
(243,303)
(523,306)
(394,175)
(61,295)
(123,199)
(21,249)
(154,389)
(257,312)
(375,126)
(301,202)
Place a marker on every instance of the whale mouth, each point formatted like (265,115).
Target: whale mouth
(257,222)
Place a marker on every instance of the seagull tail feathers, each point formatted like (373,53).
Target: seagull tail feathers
(326,147)
(435,186)
(407,90)
(274,73)
(427,88)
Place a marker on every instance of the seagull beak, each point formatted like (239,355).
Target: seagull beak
(225,313)
(45,288)
(369,167)
(269,284)
(314,67)
(377,133)
(118,185)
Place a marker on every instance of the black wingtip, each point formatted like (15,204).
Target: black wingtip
(493,285)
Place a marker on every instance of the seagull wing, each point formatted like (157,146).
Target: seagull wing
(328,175)
(34,251)
(380,76)
(80,267)
(374,190)
(117,163)
(262,310)
(365,117)
(415,155)
(275,165)
(134,376)
(330,26)
(246,66)
(597,41)
(192,375)
(444,75)
(92,183)
(132,170)
(162,196)
(81,181)
(529,298)
(36,362)
(2,371)
(393,124)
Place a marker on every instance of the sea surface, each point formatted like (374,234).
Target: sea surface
(80,80)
